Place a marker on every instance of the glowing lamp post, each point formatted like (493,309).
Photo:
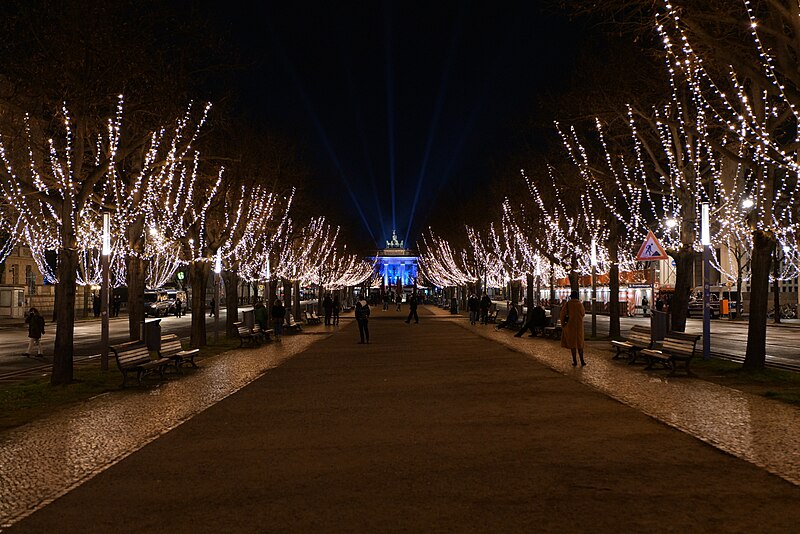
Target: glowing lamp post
(105,255)
(594,288)
(705,237)
(217,272)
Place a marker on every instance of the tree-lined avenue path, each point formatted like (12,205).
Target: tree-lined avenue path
(430,427)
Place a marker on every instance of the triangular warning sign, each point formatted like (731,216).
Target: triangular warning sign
(651,249)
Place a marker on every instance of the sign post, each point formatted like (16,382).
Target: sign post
(651,249)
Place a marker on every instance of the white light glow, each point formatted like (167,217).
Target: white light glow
(106,234)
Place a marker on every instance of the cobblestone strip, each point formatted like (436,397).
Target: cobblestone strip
(761,431)
(43,460)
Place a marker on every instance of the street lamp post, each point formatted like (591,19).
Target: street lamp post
(217,272)
(105,255)
(594,288)
(705,236)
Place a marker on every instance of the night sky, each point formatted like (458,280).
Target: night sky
(398,106)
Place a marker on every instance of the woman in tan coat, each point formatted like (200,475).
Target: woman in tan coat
(572,332)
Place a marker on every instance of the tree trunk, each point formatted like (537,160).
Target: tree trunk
(614,330)
(287,295)
(776,285)
(136,274)
(198,278)
(273,294)
(231,279)
(739,297)
(529,291)
(64,349)
(756,354)
(679,307)
(296,300)
(574,279)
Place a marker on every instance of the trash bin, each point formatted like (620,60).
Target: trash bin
(724,307)
(151,333)
(453,305)
(659,325)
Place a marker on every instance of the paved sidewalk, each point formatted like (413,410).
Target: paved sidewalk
(430,427)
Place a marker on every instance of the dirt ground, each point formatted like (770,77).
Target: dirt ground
(427,428)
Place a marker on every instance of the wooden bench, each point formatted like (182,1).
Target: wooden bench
(553,327)
(638,338)
(172,349)
(134,357)
(263,335)
(291,324)
(245,334)
(310,318)
(677,347)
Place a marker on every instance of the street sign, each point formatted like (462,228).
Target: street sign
(651,249)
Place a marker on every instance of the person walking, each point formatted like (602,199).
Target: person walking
(96,304)
(213,306)
(35,324)
(178,307)
(398,298)
(474,307)
(362,317)
(572,327)
(117,305)
(278,316)
(386,300)
(327,306)
(486,303)
(337,308)
(412,305)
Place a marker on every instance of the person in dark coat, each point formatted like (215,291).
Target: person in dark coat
(96,304)
(486,303)
(362,317)
(412,305)
(278,316)
(260,315)
(117,305)
(474,307)
(213,306)
(536,321)
(35,331)
(511,319)
(178,307)
(327,306)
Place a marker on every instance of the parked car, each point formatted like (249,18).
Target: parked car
(156,303)
(717,294)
